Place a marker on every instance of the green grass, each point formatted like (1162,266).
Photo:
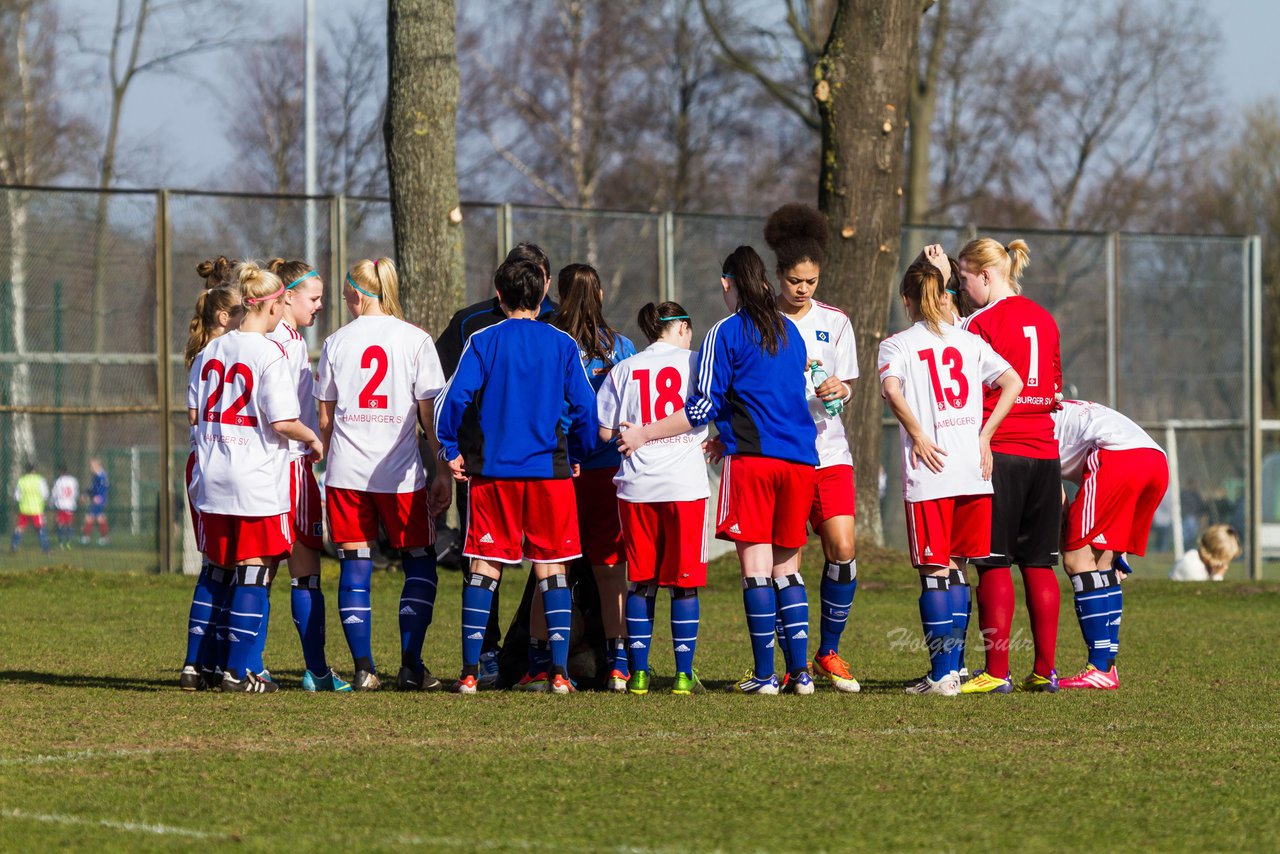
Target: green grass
(102,751)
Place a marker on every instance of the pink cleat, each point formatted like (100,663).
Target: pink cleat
(1092,677)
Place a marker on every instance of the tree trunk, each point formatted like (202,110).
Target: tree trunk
(422,98)
(22,440)
(862,81)
(921,106)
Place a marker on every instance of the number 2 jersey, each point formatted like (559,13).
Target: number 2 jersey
(942,380)
(376,369)
(645,388)
(239,385)
(295,348)
(1026,336)
(1082,427)
(828,337)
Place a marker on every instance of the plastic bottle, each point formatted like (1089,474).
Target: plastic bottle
(818,376)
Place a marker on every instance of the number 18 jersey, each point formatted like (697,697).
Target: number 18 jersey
(942,380)
(376,369)
(645,388)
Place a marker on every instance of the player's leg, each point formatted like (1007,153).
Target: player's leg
(929,527)
(832,516)
(259,644)
(1040,532)
(248,606)
(103,532)
(642,536)
(210,592)
(411,529)
(995,582)
(41,534)
(353,525)
(684,571)
(19,525)
(596,498)
(493,538)
(792,491)
(551,533)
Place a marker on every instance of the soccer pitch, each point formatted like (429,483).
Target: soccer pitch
(102,751)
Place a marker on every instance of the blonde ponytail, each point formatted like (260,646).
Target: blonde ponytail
(984,253)
(922,285)
(379,279)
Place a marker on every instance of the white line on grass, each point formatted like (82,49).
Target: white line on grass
(76,756)
(76,821)
(474,844)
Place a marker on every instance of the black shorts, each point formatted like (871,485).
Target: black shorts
(1026,512)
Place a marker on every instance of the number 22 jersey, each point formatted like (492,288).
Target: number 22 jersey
(376,369)
(942,380)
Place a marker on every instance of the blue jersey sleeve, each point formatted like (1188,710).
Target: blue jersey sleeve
(452,402)
(715,373)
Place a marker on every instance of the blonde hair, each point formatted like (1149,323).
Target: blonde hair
(1219,544)
(379,277)
(200,331)
(922,284)
(985,253)
(256,284)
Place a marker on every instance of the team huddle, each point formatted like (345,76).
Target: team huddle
(567,445)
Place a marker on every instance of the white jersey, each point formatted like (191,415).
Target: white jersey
(239,385)
(66,493)
(942,379)
(640,390)
(1082,427)
(295,347)
(828,336)
(376,369)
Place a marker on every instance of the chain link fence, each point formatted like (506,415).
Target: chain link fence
(98,290)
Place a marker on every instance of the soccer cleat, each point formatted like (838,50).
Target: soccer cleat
(561,685)
(749,684)
(190,680)
(465,685)
(366,680)
(617,682)
(1092,677)
(409,679)
(983,682)
(329,682)
(250,684)
(964,675)
(1036,683)
(537,683)
(836,670)
(687,683)
(801,684)
(210,679)
(947,686)
(488,678)
(639,682)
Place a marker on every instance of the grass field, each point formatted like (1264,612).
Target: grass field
(101,751)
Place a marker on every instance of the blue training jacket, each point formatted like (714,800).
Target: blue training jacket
(757,401)
(523,376)
(607,455)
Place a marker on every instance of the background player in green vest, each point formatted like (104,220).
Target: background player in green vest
(31,494)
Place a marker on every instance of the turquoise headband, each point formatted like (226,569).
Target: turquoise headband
(353,284)
(300,278)
(673,317)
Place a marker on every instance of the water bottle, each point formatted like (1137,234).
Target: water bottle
(818,376)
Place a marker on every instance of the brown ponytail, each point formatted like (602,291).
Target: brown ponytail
(581,312)
(653,320)
(922,286)
(200,331)
(755,297)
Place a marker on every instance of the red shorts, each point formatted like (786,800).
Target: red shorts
(1117,500)
(833,495)
(354,515)
(66,518)
(191,501)
(304,497)
(764,500)
(511,520)
(35,520)
(941,528)
(229,540)
(666,541)
(598,524)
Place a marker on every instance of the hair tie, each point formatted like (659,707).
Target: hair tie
(254,300)
(951,291)
(353,284)
(306,275)
(727,275)
(673,317)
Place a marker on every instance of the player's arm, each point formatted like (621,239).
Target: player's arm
(580,408)
(923,449)
(441,494)
(713,369)
(450,405)
(1010,385)
(325,391)
(299,432)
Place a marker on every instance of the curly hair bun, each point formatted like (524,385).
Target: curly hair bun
(797,233)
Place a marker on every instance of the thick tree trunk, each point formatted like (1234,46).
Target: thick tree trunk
(22,440)
(922,105)
(862,82)
(422,99)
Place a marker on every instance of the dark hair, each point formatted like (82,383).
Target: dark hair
(532,253)
(215,272)
(755,296)
(796,233)
(288,271)
(922,284)
(651,322)
(581,312)
(205,319)
(519,285)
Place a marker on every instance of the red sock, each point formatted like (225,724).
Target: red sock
(102,526)
(88,527)
(1043,604)
(995,617)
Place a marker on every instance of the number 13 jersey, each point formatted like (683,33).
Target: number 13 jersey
(942,380)
(376,369)
(645,388)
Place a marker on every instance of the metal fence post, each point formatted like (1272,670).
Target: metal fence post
(667,256)
(1175,484)
(505,240)
(1113,320)
(164,380)
(1253,339)
(337,257)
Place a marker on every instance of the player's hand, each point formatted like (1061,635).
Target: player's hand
(459,468)
(937,256)
(923,450)
(831,389)
(713,449)
(440,496)
(317,450)
(984,453)
(632,438)
(576,470)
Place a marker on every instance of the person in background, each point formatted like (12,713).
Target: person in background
(99,489)
(66,494)
(31,493)
(1217,547)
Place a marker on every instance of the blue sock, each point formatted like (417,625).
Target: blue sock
(222,622)
(839,584)
(417,604)
(1117,611)
(200,619)
(685,614)
(1093,610)
(761,605)
(640,606)
(477,599)
(355,608)
(780,635)
(793,608)
(44,539)
(557,603)
(961,605)
(539,657)
(935,619)
(248,606)
(306,600)
(618,662)
(260,640)
(17,538)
